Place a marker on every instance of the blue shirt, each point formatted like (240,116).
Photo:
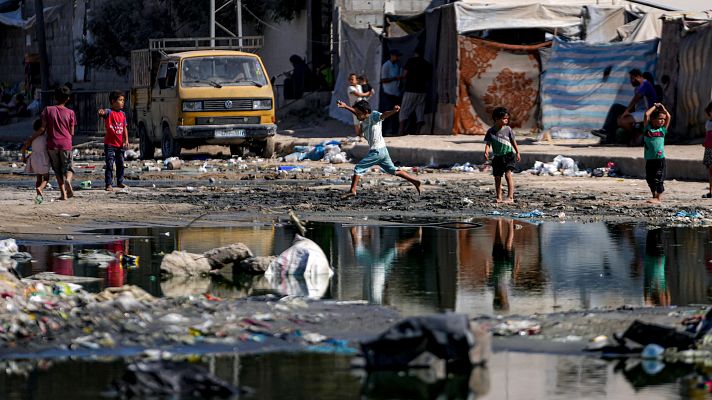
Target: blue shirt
(391,70)
(647,90)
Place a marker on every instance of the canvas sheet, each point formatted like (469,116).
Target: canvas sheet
(493,75)
(360,53)
(581,81)
(694,81)
(567,20)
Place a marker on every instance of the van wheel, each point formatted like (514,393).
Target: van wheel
(238,150)
(169,146)
(266,148)
(145,145)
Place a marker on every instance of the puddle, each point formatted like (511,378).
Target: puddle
(509,375)
(422,266)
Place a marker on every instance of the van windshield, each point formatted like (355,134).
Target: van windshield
(222,71)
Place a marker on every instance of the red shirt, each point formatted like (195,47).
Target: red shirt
(59,121)
(115,123)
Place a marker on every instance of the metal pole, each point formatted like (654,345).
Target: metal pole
(42,47)
(212,23)
(239,21)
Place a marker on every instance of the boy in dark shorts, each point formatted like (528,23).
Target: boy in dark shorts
(500,138)
(656,122)
(116,139)
(59,122)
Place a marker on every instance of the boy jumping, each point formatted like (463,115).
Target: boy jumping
(506,153)
(371,127)
(116,139)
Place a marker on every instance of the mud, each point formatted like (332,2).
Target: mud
(260,193)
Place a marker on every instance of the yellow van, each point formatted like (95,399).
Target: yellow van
(202,97)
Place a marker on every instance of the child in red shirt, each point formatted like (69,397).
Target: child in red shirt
(116,139)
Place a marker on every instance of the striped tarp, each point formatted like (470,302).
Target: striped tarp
(580,81)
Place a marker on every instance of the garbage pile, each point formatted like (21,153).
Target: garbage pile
(329,152)
(560,165)
(609,170)
(661,344)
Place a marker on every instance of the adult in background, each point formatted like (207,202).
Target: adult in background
(416,73)
(391,76)
(625,117)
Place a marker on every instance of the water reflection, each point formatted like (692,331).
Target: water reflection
(508,375)
(497,266)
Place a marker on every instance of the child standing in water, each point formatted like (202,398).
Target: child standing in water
(38,161)
(656,122)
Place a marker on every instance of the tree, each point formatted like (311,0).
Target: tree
(116,28)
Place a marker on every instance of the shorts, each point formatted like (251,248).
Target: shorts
(655,174)
(504,163)
(374,157)
(412,102)
(707,159)
(61,161)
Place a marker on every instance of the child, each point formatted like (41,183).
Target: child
(365,87)
(506,153)
(355,93)
(38,161)
(116,139)
(707,160)
(371,125)
(59,122)
(656,122)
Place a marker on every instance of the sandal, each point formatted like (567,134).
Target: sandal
(707,196)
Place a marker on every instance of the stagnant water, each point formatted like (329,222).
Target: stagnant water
(488,266)
(326,376)
(491,266)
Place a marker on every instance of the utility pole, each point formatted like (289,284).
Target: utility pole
(238,9)
(212,23)
(42,48)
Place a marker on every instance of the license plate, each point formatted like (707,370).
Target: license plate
(229,133)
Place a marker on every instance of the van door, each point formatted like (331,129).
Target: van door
(165,97)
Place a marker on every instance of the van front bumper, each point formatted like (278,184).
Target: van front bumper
(225,134)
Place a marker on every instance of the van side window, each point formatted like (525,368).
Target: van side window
(171,73)
(161,77)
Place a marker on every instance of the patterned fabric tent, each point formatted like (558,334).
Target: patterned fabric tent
(493,75)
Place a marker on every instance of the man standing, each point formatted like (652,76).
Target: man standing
(391,75)
(417,73)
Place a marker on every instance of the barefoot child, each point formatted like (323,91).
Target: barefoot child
(656,122)
(707,160)
(38,161)
(371,125)
(59,122)
(356,93)
(506,153)
(116,140)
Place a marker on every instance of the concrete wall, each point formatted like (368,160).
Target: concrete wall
(12,70)
(362,13)
(282,41)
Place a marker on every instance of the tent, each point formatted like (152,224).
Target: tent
(562,79)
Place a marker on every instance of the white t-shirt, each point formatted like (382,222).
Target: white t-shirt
(372,128)
(352,94)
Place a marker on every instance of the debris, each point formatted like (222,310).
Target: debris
(294,219)
(303,258)
(227,255)
(54,277)
(171,379)
(691,215)
(182,263)
(172,163)
(85,185)
(531,214)
(8,247)
(256,265)
(517,327)
(450,337)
